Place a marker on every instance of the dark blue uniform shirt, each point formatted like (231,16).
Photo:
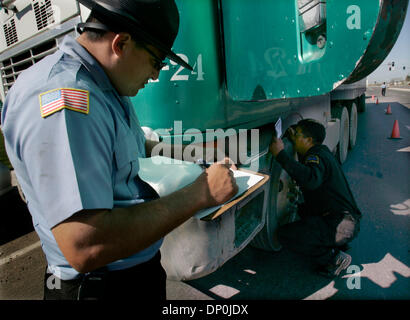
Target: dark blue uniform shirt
(323,183)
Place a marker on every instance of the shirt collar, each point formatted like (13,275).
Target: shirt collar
(71,47)
(314,149)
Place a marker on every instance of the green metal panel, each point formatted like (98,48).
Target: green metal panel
(257,60)
(268,52)
(389,24)
(195,99)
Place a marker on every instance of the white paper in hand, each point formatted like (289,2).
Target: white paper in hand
(278,128)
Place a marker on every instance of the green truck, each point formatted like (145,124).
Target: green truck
(255,64)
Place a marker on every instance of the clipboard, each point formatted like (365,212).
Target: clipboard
(167,175)
(240,199)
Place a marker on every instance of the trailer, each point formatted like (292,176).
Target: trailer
(254,62)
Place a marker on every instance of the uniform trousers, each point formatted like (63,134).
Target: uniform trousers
(145,281)
(320,237)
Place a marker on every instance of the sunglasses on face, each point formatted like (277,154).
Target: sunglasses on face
(158,63)
(299,134)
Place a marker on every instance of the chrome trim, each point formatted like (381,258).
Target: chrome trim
(42,37)
(257,156)
(7,80)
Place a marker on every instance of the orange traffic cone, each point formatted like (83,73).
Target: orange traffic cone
(377,101)
(388,111)
(395,134)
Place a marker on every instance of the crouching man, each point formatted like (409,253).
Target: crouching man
(329,215)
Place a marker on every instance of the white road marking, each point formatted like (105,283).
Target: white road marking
(224,291)
(401,209)
(400,89)
(20,252)
(325,293)
(404,150)
(384,272)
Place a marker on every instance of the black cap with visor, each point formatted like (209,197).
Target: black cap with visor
(155,22)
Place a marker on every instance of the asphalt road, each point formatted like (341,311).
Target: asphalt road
(378,172)
(396,94)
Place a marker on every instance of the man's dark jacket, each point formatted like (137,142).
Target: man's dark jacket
(322,181)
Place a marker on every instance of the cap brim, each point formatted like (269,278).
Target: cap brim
(177,59)
(107,10)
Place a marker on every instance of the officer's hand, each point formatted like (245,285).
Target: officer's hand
(229,162)
(215,155)
(276,146)
(219,183)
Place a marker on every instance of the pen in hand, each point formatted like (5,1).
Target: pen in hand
(202,163)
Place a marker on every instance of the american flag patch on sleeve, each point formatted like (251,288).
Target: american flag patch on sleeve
(64,98)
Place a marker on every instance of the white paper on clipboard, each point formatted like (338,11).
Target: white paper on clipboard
(167,175)
(244,180)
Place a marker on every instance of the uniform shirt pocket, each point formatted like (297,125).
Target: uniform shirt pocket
(126,164)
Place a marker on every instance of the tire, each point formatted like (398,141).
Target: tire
(5,179)
(280,208)
(21,193)
(352,125)
(3,154)
(341,113)
(361,106)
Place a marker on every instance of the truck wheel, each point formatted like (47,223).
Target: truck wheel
(5,180)
(281,208)
(361,107)
(352,125)
(341,113)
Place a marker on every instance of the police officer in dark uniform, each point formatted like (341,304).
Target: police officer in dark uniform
(329,215)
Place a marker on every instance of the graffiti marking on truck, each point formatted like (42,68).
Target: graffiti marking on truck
(177,76)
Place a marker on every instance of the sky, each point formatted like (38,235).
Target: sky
(400,54)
